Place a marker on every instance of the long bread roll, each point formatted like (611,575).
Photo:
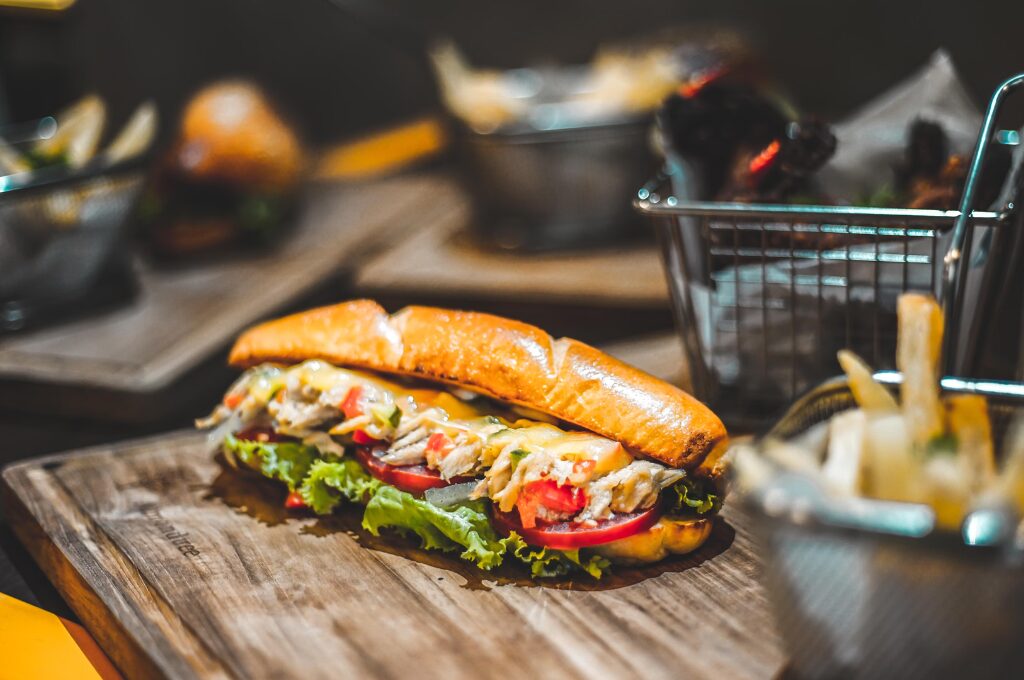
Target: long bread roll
(503,359)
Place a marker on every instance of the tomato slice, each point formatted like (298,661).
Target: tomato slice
(294,501)
(561,498)
(569,535)
(350,405)
(360,437)
(233,400)
(440,444)
(412,478)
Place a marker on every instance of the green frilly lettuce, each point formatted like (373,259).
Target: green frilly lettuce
(288,462)
(693,496)
(330,482)
(548,562)
(465,528)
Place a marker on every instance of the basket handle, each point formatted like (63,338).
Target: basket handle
(954,276)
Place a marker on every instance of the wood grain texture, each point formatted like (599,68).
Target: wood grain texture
(116,365)
(439,258)
(184,568)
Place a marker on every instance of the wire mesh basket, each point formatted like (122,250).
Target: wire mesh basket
(875,593)
(63,237)
(764,295)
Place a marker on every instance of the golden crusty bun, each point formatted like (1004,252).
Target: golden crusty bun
(230,133)
(501,358)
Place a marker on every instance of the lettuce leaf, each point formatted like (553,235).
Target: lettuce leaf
(465,526)
(323,483)
(288,462)
(329,482)
(544,562)
(691,496)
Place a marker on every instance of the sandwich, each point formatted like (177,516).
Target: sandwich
(230,178)
(477,434)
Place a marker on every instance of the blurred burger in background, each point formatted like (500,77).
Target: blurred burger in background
(230,178)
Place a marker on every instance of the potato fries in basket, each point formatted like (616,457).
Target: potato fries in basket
(926,447)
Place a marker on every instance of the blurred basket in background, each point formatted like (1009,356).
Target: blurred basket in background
(765,295)
(62,232)
(543,189)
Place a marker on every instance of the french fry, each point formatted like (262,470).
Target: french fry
(79,128)
(891,470)
(792,457)
(917,356)
(870,395)
(948,489)
(814,439)
(136,136)
(843,469)
(967,416)
(11,161)
(1010,483)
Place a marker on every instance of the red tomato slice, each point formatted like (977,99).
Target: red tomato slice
(350,405)
(412,478)
(294,501)
(233,400)
(560,498)
(569,535)
(440,444)
(360,437)
(259,434)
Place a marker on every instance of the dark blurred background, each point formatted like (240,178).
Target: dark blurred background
(349,66)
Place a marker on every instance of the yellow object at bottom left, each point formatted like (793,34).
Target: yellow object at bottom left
(37,644)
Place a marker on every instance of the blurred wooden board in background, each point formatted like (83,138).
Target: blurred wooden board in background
(181,567)
(440,257)
(660,354)
(133,363)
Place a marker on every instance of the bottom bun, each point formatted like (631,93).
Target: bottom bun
(668,537)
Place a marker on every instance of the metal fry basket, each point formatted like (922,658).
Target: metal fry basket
(872,594)
(62,232)
(764,295)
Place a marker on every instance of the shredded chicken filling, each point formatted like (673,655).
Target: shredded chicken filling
(319,404)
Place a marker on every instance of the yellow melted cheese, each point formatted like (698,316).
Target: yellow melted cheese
(324,377)
(607,455)
(668,536)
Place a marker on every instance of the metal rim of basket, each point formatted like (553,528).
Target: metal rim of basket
(20,185)
(1006,392)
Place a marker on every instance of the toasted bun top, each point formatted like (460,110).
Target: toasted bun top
(230,133)
(500,358)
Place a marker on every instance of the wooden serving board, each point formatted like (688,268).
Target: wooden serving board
(183,568)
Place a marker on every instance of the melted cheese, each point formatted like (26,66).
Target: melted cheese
(324,377)
(668,536)
(607,455)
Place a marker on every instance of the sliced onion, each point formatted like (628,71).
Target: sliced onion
(447,496)
(324,444)
(231,424)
